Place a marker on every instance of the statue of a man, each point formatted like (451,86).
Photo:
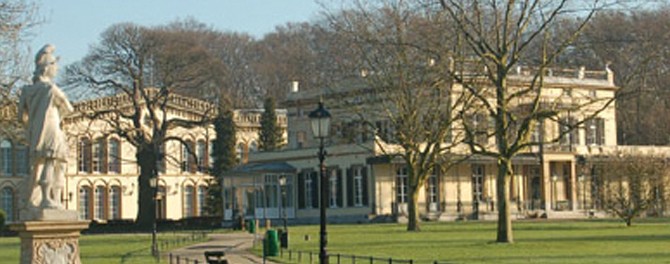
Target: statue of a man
(41,107)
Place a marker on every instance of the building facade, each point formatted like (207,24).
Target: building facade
(367,183)
(102,173)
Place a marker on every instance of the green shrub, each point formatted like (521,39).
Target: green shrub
(2,219)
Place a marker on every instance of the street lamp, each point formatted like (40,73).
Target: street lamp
(153,182)
(320,119)
(282,186)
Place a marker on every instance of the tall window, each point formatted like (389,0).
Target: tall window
(308,196)
(239,151)
(401,185)
(210,155)
(115,202)
(114,156)
(84,203)
(6,160)
(189,206)
(84,155)
(201,154)
(335,188)
(21,156)
(477,183)
(569,133)
(8,203)
(99,203)
(253,146)
(357,194)
(98,159)
(187,159)
(595,131)
(202,198)
(271,191)
(162,163)
(433,191)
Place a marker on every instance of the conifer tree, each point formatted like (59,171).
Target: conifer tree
(224,158)
(270,135)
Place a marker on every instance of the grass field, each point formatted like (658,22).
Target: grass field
(600,241)
(471,242)
(102,249)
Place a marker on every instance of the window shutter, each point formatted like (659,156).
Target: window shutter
(315,190)
(340,195)
(600,131)
(301,190)
(364,182)
(350,187)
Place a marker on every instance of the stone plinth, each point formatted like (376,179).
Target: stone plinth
(46,242)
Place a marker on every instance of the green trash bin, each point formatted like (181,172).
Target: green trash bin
(251,226)
(271,243)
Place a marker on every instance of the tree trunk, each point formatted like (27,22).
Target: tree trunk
(412,209)
(146,213)
(504,220)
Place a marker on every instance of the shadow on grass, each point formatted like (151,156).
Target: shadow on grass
(609,238)
(628,257)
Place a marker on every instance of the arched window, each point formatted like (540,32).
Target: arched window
(202,198)
(239,151)
(187,159)
(162,163)
(161,203)
(210,155)
(99,203)
(8,203)
(6,160)
(201,153)
(84,203)
(114,202)
(114,156)
(84,155)
(253,146)
(21,161)
(98,159)
(189,206)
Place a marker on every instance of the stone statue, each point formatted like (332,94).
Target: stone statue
(41,107)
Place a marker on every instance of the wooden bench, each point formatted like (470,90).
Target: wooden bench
(216,257)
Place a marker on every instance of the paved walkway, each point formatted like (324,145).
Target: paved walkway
(236,245)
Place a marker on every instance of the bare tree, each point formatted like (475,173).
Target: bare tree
(633,183)
(17,19)
(495,37)
(409,102)
(145,69)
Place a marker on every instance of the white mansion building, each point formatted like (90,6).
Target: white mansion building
(366,183)
(101,177)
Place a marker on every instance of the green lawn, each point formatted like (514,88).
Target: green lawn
(113,248)
(471,242)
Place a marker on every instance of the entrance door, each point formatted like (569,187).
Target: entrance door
(535,189)
(477,187)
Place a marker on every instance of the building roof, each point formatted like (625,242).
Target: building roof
(260,168)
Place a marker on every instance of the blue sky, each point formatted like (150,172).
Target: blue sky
(73,25)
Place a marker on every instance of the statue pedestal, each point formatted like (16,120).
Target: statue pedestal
(49,241)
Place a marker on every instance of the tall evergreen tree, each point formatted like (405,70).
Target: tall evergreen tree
(224,157)
(270,136)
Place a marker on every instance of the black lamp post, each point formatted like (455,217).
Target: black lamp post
(153,182)
(320,127)
(284,234)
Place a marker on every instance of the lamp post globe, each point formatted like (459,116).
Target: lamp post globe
(320,119)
